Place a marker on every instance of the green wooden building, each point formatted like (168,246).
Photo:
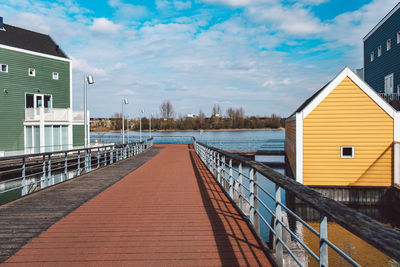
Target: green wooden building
(35,94)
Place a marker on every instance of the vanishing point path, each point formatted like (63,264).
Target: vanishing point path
(169,211)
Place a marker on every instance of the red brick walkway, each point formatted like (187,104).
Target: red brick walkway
(169,212)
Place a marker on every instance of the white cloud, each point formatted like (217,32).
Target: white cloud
(126,92)
(81,65)
(105,26)
(182,5)
(128,11)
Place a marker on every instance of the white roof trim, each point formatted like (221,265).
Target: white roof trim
(382,21)
(33,53)
(363,86)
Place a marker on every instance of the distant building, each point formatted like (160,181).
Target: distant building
(35,94)
(344,135)
(190,115)
(382,55)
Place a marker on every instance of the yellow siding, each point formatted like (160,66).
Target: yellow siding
(290,144)
(348,117)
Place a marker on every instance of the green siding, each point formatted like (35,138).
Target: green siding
(18,82)
(78,132)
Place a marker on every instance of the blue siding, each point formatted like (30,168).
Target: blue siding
(389,61)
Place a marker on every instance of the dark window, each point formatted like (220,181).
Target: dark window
(29,101)
(47,101)
(347,152)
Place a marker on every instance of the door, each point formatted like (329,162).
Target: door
(389,84)
(38,103)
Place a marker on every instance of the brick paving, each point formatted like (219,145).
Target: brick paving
(168,212)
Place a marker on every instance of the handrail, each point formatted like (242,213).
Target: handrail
(23,173)
(373,232)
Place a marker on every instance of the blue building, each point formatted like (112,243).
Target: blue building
(382,56)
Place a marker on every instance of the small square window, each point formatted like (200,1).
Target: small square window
(379,51)
(55,75)
(4,68)
(372,56)
(347,152)
(32,72)
(388,44)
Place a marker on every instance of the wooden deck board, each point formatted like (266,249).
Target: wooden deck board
(168,212)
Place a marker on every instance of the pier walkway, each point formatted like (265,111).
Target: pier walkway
(167,212)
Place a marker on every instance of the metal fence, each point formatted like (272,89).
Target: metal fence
(248,188)
(25,174)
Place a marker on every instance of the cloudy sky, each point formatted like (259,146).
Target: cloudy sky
(266,56)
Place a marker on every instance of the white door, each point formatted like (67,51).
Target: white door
(389,84)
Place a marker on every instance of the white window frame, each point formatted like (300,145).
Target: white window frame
(346,157)
(398,37)
(1,67)
(372,56)
(388,44)
(55,75)
(379,51)
(388,87)
(33,74)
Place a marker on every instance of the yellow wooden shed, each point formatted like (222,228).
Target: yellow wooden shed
(344,135)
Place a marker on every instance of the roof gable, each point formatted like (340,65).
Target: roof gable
(29,40)
(316,99)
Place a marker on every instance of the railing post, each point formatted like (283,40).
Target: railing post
(79,162)
(105,156)
(278,225)
(240,178)
(66,166)
(49,166)
(219,168)
(86,160)
(24,185)
(223,173)
(251,196)
(323,246)
(43,181)
(98,157)
(116,154)
(230,179)
(112,154)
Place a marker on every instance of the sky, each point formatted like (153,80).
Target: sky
(266,56)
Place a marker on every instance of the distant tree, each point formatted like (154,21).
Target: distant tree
(216,111)
(167,110)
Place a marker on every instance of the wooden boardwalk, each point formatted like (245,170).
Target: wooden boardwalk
(168,212)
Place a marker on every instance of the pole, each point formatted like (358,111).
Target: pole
(140,129)
(151,116)
(85,108)
(123,123)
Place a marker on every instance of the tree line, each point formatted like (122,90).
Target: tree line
(234,118)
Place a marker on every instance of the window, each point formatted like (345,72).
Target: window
(398,89)
(389,84)
(398,37)
(347,152)
(372,56)
(47,101)
(4,68)
(55,75)
(388,44)
(31,72)
(379,51)
(29,101)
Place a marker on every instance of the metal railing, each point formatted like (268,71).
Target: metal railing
(390,97)
(247,189)
(53,114)
(25,174)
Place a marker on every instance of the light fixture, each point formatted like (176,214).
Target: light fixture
(5,91)
(90,79)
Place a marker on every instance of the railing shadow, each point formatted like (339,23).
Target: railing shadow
(228,225)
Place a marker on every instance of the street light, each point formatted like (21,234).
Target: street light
(124,102)
(151,116)
(86,80)
(140,131)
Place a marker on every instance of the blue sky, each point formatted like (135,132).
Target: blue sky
(266,56)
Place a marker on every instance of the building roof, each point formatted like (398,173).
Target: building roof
(29,40)
(382,21)
(320,95)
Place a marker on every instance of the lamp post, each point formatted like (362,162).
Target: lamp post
(151,116)
(124,102)
(86,80)
(140,126)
